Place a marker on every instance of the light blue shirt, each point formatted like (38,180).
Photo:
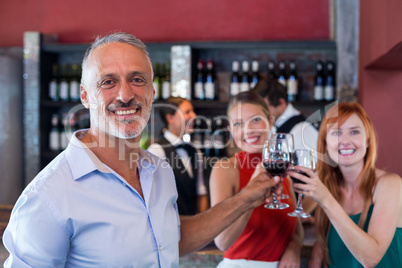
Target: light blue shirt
(78,212)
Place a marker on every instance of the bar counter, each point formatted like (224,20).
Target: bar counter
(210,256)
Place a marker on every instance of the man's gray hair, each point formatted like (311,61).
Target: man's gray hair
(119,37)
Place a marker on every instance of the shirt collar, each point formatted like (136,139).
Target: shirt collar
(172,138)
(83,161)
(289,112)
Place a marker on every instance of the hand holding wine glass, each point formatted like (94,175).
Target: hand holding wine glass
(275,158)
(302,158)
(291,146)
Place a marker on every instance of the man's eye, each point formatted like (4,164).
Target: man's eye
(237,124)
(107,84)
(138,81)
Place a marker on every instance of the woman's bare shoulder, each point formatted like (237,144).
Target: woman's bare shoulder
(383,176)
(386,181)
(225,175)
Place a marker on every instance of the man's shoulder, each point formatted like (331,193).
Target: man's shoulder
(58,168)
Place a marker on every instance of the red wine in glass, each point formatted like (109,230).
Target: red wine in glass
(276,168)
(297,180)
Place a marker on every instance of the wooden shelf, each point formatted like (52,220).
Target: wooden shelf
(59,104)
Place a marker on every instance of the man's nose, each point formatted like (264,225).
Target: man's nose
(125,93)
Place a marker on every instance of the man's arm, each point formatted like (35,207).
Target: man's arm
(34,237)
(197,231)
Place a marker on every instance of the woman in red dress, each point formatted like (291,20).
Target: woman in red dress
(261,237)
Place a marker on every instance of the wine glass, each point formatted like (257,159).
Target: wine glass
(289,138)
(304,158)
(275,158)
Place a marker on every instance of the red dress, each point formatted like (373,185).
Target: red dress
(268,231)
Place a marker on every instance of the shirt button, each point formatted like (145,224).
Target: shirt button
(160,247)
(124,184)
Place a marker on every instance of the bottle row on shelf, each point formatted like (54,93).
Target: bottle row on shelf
(287,75)
(162,81)
(65,82)
(210,136)
(204,85)
(62,127)
(245,79)
(324,81)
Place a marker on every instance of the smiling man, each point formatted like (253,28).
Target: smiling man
(103,202)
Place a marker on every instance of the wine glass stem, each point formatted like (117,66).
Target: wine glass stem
(300,202)
(274,200)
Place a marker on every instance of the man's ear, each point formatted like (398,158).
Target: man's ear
(282,102)
(84,96)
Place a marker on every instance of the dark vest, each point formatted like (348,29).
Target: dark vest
(186,186)
(290,123)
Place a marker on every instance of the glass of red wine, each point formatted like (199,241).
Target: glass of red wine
(289,138)
(304,158)
(275,158)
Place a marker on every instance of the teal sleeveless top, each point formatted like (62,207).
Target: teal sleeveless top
(341,257)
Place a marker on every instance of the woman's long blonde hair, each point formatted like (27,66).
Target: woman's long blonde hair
(332,177)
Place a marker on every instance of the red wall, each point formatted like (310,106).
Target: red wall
(77,21)
(380,89)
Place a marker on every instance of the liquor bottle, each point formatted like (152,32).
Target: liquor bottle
(282,73)
(219,139)
(245,77)
(54,84)
(199,93)
(255,76)
(235,79)
(292,82)
(329,90)
(75,83)
(157,82)
(319,82)
(54,134)
(63,85)
(209,86)
(166,83)
(271,70)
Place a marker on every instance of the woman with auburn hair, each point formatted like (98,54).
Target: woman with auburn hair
(359,218)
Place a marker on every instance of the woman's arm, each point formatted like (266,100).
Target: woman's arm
(224,183)
(316,259)
(368,248)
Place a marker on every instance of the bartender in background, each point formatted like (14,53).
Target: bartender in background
(178,116)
